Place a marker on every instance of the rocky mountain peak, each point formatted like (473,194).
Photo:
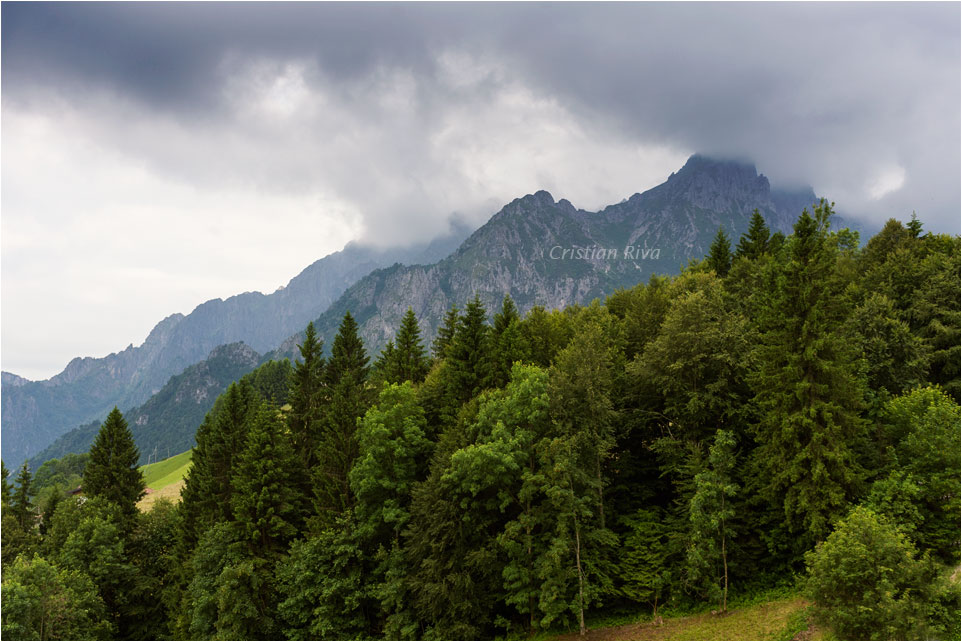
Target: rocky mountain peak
(704,182)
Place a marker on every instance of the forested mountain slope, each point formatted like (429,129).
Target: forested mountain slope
(37,412)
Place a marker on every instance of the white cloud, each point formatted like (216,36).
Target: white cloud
(124,214)
(888,180)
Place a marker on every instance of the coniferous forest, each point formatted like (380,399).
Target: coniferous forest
(783,413)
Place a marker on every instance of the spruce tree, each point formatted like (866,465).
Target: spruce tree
(507,342)
(468,354)
(6,484)
(22,508)
(446,333)
(112,471)
(268,504)
(385,362)
(507,314)
(914,226)
(404,358)
(221,439)
(306,396)
(349,398)
(348,356)
(754,243)
(805,386)
(720,253)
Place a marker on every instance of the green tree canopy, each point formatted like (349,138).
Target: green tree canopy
(112,471)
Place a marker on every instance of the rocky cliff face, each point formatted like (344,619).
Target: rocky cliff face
(538,250)
(35,413)
(531,249)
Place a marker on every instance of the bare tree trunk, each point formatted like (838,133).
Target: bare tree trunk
(527,529)
(725,563)
(581,580)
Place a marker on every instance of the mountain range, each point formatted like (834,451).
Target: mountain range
(34,413)
(521,250)
(538,250)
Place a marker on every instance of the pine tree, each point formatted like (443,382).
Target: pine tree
(754,243)
(805,386)
(504,318)
(349,399)
(914,226)
(112,471)
(348,356)
(404,358)
(508,343)
(446,333)
(268,504)
(6,485)
(22,508)
(720,253)
(468,356)
(306,396)
(385,362)
(221,438)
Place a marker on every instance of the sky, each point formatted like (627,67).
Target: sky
(155,156)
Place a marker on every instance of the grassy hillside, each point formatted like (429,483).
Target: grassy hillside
(778,619)
(168,471)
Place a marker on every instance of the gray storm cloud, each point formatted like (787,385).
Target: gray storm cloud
(854,99)
(380,121)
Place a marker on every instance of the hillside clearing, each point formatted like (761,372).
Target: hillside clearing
(171,492)
(766,621)
(168,471)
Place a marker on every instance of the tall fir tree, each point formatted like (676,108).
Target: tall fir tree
(268,504)
(22,508)
(221,438)
(307,396)
(348,356)
(468,356)
(805,386)
(6,485)
(508,343)
(914,226)
(112,471)
(446,333)
(720,253)
(349,398)
(754,242)
(404,358)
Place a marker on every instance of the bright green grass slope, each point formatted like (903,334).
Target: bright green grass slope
(168,471)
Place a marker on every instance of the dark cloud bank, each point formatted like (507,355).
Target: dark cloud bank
(859,100)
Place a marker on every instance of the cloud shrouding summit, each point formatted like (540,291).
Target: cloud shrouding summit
(157,155)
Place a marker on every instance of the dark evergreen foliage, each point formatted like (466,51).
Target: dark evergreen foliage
(349,397)
(404,358)
(445,333)
(20,505)
(688,441)
(720,253)
(755,241)
(307,397)
(112,471)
